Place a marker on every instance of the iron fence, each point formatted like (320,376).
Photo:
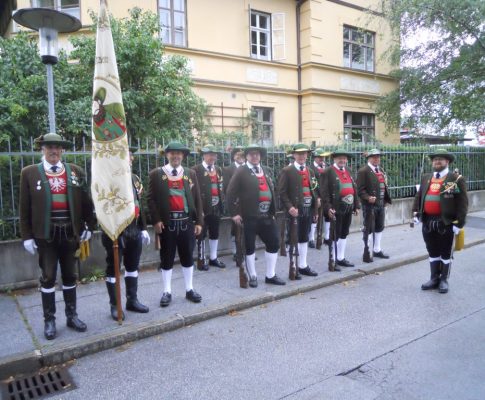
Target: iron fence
(403,164)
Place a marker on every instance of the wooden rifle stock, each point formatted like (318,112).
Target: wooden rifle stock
(293,272)
(333,231)
(240,256)
(283,237)
(320,225)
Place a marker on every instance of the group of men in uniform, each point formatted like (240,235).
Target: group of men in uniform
(186,205)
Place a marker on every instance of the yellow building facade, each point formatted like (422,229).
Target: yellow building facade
(306,70)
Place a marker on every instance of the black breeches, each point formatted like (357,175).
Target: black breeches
(129,250)
(177,236)
(438,237)
(266,229)
(211,225)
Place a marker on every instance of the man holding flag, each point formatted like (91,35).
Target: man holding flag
(111,181)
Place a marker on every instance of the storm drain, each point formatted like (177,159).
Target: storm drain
(37,385)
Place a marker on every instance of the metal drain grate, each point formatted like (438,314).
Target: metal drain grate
(37,385)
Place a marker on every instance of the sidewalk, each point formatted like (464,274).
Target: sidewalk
(24,347)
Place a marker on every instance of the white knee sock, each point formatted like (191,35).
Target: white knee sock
(312,231)
(213,248)
(377,242)
(251,264)
(327,230)
(233,245)
(341,249)
(167,280)
(302,251)
(333,250)
(188,273)
(270,263)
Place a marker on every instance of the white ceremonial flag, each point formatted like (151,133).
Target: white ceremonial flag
(111,185)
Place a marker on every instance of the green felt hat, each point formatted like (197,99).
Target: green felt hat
(209,148)
(341,152)
(52,138)
(255,147)
(300,148)
(442,153)
(235,150)
(320,152)
(176,146)
(372,152)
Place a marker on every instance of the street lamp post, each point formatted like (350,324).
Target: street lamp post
(49,23)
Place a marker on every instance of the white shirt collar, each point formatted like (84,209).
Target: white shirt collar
(251,166)
(169,168)
(442,173)
(373,167)
(297,166)
(237,164)
(206,166)
(337,167)
(47,166)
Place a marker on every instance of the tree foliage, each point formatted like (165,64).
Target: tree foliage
(442,77)
(157,89)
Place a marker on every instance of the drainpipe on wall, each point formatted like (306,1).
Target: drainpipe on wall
(298,60)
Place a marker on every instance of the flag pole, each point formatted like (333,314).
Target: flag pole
(118,281)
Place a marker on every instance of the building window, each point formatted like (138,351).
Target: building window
(260,35)
(172,22)
(359,127)
(359,49)
(70,7)
(262,125)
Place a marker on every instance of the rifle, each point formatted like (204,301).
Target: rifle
(240,256)
(320,225)
(201,254)
(331,261)
(293,273)
(283,237)
(369,226)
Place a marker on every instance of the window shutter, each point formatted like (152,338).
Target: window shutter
(278,36)
(249,26)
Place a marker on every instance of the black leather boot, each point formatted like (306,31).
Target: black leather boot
(112,301)
(72,320)
(435,276)
(132,303)
(443,285)
(49,308)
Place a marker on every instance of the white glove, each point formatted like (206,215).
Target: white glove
(30,246)
(86,235)
(456,230)
(145,238)
(416,220)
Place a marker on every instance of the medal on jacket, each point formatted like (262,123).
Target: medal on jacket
(38,185)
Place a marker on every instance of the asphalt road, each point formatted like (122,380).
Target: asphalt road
(378,337)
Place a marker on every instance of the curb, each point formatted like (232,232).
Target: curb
(32,361)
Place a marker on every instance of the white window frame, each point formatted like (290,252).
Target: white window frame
(366,46)
(171,29)
(258,115)
(367,130)
(57,5)
(259,31)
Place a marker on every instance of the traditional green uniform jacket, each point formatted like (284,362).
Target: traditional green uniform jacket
(368,185)
(290,189)
(453,198)
(330,190)
(36,202)
(141,220)
(204,180)
(158,194)
(242,197)
(227,173)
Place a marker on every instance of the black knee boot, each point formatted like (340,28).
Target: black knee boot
(435,276)
(112,301)
(72,319)
(443,285)
(132,302)
(49,308)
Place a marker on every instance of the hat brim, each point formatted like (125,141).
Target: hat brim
(62,143)
(340,153)
(373,155)
(262,151)
(449,157)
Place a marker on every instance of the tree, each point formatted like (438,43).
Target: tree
(442,78)
(157,90)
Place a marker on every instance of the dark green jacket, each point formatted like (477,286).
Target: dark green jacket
(227,173)
(331,190)
(242,196)
(368,185)
(158,194)
(36,202)
(204,180)
(454,202)
(141,221)
(290,189)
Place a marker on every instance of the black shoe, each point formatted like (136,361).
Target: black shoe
(253,281)
(307,271)
(344,263)
(380,254)
(135,306)
(132,303)
(50,329)
(434,280)
(327,242)
(274,281)
(193,296)
(217,263)
(443,286)
(202,266)
(311,244)
(76,324)
(114,313)
(166,299)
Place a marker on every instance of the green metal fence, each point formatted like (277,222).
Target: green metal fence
(403,164)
